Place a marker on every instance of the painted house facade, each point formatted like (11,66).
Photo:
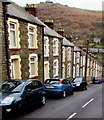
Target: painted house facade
(24,38)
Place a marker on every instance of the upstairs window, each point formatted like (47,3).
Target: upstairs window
(55,46)
(46,46)
(31,37)
(32,33)
(13,30)
(13,34)
(55,68)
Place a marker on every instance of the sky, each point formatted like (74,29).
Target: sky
(84,4)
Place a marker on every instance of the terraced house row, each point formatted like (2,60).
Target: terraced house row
(30,48)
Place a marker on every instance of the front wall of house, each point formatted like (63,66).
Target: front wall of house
(21,55)
(54,58)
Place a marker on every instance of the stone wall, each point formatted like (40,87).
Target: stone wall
(1,40)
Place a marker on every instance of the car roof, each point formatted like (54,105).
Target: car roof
(55,79)
(20,80)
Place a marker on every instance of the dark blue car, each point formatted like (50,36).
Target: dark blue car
(18,94)
(58,86)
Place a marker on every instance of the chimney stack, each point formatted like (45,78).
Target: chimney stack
(49,23)
(31,8)
(60,31)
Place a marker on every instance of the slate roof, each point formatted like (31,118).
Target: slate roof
(96,50)
(50,32)
(67,42)
(6,1)
(76,49)
(15,10)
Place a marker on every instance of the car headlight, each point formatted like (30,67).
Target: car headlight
(7,100)
(77,84)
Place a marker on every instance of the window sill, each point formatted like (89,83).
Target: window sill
(33,77)
(33,48)
(14,48)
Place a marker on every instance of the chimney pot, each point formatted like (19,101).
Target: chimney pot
(49,23)
(60,31)
(31,8)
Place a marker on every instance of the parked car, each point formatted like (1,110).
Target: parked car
(58,86)
(17,94)
(96,80)
(79,83)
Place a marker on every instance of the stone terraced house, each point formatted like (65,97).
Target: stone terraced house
(52,53)
(67,58)
(24,44)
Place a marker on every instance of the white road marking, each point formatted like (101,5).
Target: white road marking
(71,116)
(87,103)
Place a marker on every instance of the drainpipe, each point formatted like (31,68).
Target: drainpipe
(43,50)
(5,36)
(61,56)
(86,60)
(72,60)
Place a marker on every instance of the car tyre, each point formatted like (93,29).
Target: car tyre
(64,94)
(72,92)
(85,88)
(43,102)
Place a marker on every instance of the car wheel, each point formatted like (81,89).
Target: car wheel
(19,105)
(43,100)
(64,94)
(72,92)
(85,88)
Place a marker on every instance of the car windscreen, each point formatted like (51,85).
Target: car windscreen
(78,80)
(96,79)
(9,86)
(52,81)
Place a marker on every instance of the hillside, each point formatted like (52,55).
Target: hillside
(76,22)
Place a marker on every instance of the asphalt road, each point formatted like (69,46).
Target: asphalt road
(83,104)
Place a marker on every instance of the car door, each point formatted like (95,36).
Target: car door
(38,89)
(65,85)
(28,95)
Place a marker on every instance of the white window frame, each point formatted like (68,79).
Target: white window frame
(16,33)
(46,46)
(34,35)
(35,65)
(63,54)
(55,46)
(12,74)
(69,54)
(55,68)
(69,70)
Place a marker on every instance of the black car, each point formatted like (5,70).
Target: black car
(79,83)
(16,94)
(96,80)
